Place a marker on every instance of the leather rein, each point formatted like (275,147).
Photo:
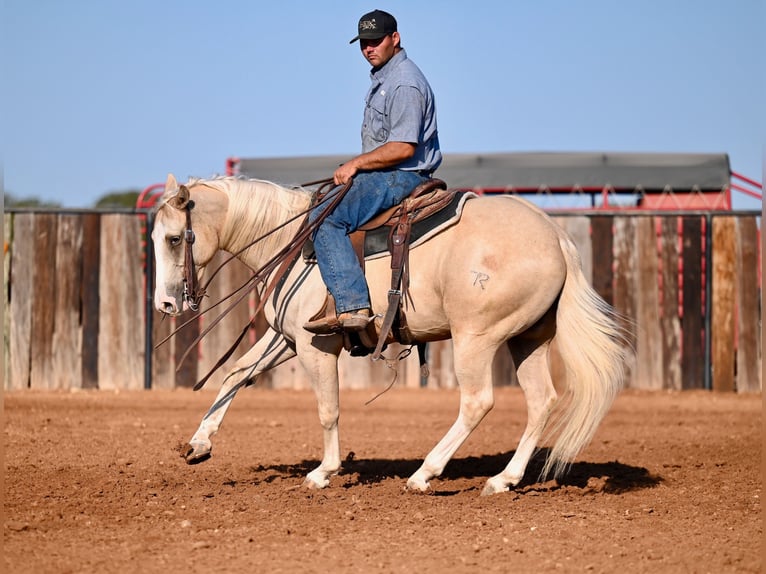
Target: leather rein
(193,292)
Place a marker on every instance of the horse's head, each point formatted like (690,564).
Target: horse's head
(184,214)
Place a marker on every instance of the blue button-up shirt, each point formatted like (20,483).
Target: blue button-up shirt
(400,107)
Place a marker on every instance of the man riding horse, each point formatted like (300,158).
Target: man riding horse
(532,290)
(400,149)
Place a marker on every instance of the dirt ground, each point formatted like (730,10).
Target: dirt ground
(94,483)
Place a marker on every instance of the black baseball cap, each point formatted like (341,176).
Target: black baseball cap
(374,25)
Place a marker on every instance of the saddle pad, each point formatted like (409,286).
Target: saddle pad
(376,240)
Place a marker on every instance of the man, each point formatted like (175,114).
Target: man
(400,149)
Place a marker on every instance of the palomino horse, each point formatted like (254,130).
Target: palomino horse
(504,275)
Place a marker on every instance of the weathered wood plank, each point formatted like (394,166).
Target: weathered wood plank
(7,240)
(163,368)
(363,373)
(723,303)
(693,347)
(67,336)
(410,375)
(625,263)
(602,238)
(121,332)
(43,302)
(441,365)
(187,371)
(669,317)
(749,300)
(219,340)
(578,228)
(648,373)
(22,277)
(90,298)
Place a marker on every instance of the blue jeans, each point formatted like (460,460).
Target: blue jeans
(371,193)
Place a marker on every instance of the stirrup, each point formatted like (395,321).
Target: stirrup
(353,321)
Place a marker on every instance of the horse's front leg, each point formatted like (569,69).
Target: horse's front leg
(320,359)
(271,350)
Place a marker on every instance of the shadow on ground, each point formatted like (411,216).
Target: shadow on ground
(612,477)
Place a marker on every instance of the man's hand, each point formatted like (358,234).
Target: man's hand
(344,173)
(389,154)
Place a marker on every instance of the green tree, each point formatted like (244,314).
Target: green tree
(10,201)
(126,198)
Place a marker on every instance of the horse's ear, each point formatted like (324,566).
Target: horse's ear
(170,183)
(172,192)
(183,195)
(181,199)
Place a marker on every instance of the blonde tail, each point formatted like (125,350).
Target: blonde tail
(594,349)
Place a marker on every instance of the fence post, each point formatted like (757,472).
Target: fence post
(148,301)
(708,384)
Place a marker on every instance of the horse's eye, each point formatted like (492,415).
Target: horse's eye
(174,240)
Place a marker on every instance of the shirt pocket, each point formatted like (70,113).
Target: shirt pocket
(376,120)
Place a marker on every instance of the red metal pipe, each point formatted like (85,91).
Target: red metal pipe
(746,191)
(232,165)
(147,192)
(748,180)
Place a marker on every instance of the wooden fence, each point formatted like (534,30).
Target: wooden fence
(76,314)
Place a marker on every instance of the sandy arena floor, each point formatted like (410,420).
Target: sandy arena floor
(94,483)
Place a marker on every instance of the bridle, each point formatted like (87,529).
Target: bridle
(193,292)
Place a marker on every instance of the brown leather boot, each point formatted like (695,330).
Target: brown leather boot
(350,321)
(355,320)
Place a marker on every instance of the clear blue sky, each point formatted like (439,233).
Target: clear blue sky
(106,95)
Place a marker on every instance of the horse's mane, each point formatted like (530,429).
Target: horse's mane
(256,207)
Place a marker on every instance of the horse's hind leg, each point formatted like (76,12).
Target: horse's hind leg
(473,369)
(535,379)
(271,350)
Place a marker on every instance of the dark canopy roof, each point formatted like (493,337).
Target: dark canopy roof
(531,171)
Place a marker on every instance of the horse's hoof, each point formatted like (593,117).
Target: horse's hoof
(490,489)
(195,454)
(418,487)
(312,485)
(418,492)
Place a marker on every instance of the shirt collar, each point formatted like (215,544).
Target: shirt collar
(381,74)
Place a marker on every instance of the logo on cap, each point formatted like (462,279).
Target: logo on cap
(374,25)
